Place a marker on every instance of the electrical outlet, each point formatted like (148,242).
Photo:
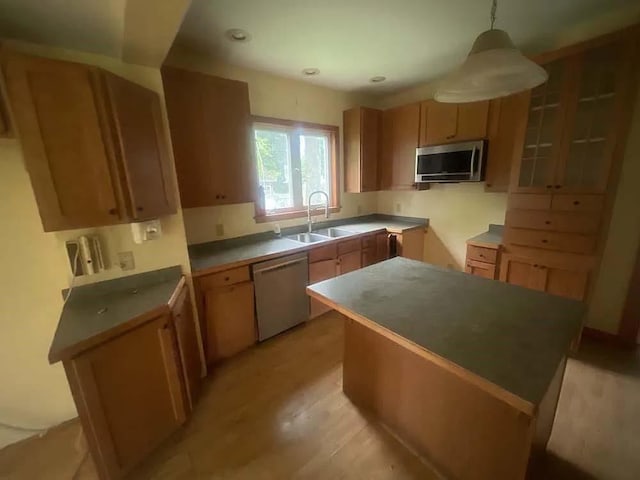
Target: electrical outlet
(398,207)
(219,229)
(126,261)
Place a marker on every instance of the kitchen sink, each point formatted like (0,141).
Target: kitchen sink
(334,232)
(308,238)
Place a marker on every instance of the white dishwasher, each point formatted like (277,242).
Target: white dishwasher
(281,297)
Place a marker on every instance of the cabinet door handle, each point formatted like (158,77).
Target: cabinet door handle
(558,186)
(223,196)
(450,136)
(113,211)
(140,209)
(226,279)
(544,240)
(535,265)
(481,255)
(549,186)
(576,202)
(547,222)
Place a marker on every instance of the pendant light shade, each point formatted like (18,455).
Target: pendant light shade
(494,68)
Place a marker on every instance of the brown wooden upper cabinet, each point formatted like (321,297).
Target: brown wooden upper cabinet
(362,131)
(452,122)
(210,123)
(93,143)
(5,122)
(575,121)
(400,133)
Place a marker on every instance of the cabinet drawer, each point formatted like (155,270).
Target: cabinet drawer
(348,246)
(481,269)
(529,201)
(323,253)
(228,277)
(481,254)
(578,203)
(566,242)
(369,241)
(554,221)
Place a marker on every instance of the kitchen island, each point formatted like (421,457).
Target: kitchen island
(465,370)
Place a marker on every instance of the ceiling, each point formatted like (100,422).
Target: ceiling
(350,41)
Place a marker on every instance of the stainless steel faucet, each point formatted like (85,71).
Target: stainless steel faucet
(326,206)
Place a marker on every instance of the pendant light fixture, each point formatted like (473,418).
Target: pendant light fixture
(494,68)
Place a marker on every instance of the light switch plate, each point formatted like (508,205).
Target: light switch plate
(126,260)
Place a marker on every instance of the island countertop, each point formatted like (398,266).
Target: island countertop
(510,336)
(97,311)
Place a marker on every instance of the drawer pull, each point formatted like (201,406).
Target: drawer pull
(481,255)
(558,186)
(549,186)
(113,211)
(535,265)
(547,222)
(226,279)
(576,202)
(544,240)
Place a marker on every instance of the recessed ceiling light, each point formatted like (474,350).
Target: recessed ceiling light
(310,72)
(238,35)
(377,79)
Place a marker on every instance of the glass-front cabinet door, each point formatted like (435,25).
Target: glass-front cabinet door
(587,150)
(542,138)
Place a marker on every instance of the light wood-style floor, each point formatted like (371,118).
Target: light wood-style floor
(278,412)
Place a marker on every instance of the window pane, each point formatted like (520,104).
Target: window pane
(314,160)
(274,168)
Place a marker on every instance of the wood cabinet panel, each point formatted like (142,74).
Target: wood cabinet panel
(369,256)
(529,201)
(326,252)
(369,242)
(231,326)
(586,224)
(60,123)
(520,271)
(482,254)
(566,242)
(401,129)
(362,138)
(188,346)
(141,147)
(481,269)
(349,262)
(438,122)
(382,246)
(578,203)
(472,121)
(319,271)
(557,277)
(210,127)
(6,130)
(347,246)
(227,277)
(411,244)
(507,118)
(130,395)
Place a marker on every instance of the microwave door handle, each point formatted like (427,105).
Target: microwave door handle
(473,162)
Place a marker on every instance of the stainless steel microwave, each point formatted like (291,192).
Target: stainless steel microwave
(455,162)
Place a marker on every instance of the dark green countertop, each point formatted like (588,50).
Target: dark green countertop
(511,336)
(96,309)
(251,248)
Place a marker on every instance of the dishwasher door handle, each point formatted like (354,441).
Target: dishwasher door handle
(280,266)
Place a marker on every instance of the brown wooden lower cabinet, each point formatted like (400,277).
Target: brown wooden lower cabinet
(382,246)
(481,269)
(349,262)
(319,271)
(369,257)
(230,320)
(188,345)
(550,277)
(129,395)
(411,244)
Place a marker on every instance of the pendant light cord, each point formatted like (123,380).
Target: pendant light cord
(494,7)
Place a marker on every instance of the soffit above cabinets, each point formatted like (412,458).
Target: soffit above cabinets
(407,41)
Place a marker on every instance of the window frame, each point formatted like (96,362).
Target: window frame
(334,162)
